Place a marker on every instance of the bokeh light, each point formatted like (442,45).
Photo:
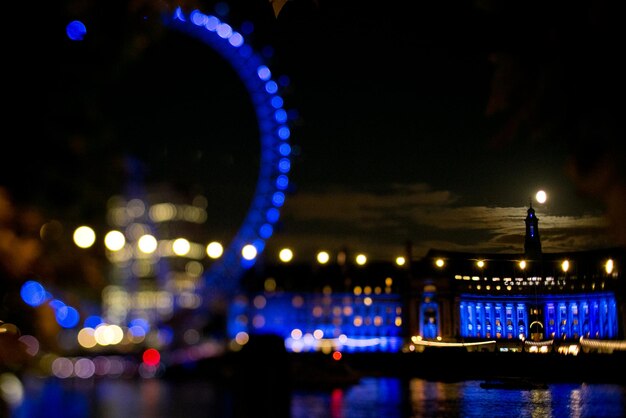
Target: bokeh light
(285,255)
(84,236)
(151,357)
(114,240)
(76,30)
(249,252)
(33,293)
(147,244)
(214,250)
(181,247)
(323,257)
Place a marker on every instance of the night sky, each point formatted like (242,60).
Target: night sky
(434,124)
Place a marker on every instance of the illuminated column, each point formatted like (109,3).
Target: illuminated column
(613,319)
(595,319)
(584,318)
(463,310)
(480,320)
(550,320)
(488,320)
(575,315)
(521,320)
(562,320)
(471,319)
(498,320)
(509,321)
(603,319)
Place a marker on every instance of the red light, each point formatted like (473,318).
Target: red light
(337,355)
(151,357)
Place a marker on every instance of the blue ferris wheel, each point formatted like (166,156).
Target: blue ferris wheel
(275,163)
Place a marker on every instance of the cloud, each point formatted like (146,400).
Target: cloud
(382,221)
(345,205)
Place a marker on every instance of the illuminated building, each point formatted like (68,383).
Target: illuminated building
(528,297)
(531,301)
(325,307)
(156,270)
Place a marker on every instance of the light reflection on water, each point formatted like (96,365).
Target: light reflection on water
(374,397)
(417,398)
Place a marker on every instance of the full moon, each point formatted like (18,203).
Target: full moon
(541,196)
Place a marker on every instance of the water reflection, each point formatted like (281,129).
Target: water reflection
(417,398)
(373,397)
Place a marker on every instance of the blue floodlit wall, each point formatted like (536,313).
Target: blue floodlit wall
(429,316)
(312,322)
(564,316)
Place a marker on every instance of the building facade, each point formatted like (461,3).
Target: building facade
(529,296)
(527,300)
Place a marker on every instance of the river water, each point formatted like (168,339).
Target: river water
(372,397)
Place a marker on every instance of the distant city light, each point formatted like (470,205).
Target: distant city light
(565,265)
(608,267)
(67,316)
(296,334)
(271,87)
(480,263)
(151,357)
(522,264)
(33,293)
(214,249)
(361,259)
(285,255)
(114,240)
(264,73)
(269,284)
(323,257)
(76,30)
(224,30)
(31,344)
(266,231)
(108,334)
(439,262)
(92,321)
(242,338)
(147,244)
(249,252)
(181,247)
(272,215)
(84,237)
(400,261)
